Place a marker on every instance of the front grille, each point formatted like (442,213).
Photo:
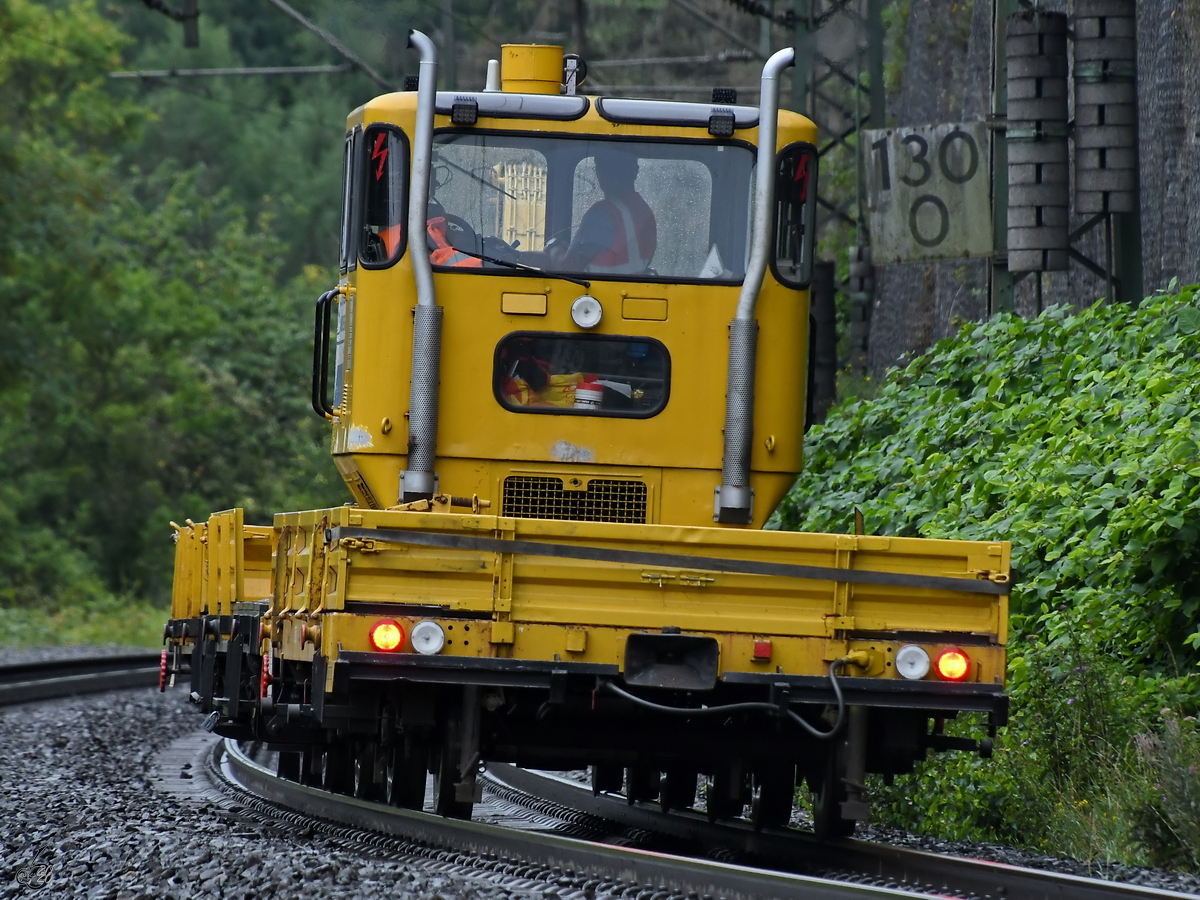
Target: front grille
(605,500)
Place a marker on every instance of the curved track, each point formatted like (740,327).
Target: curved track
(523,848)
(47,680)
(616,871)
(788,849)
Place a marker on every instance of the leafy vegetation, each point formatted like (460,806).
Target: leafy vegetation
(1078,438)
(155,362)
(161,243)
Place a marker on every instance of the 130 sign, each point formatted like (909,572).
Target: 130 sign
(928,192)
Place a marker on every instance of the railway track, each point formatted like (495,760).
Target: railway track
(563,846)
(48,680)
(771,864)
(594,869)
(786,848)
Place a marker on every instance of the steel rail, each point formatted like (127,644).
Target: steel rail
(786,848)
(50,679)
(675,874)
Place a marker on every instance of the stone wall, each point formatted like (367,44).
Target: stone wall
(946,77)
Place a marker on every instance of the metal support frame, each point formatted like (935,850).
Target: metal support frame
(814,78)
(1000,280)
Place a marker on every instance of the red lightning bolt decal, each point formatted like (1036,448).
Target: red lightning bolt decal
(380,153)
(802,178)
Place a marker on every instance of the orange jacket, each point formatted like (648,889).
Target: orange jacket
(444,254)
(636,239)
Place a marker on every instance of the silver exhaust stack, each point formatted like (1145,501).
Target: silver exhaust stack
(734,500)
(418,481)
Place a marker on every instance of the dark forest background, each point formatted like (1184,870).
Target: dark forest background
(162,241)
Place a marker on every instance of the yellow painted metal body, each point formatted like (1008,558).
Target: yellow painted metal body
(221,562)
(325,595)
(531,68)
(540,608)
(677,452)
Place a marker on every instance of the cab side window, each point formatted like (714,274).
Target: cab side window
(348,254)
(795,215)
(384,159)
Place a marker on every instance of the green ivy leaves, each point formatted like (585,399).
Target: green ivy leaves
(1077,437)
(1074,436)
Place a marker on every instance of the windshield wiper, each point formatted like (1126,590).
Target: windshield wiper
(522,267)
(471,174)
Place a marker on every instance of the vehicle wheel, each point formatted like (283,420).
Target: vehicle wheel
(607,779)
(771,796)
(828,792)
(641,784)
(445,778)
(287,765)
(365,787)
(310,767)
(335,769)
(678,789)
(725,794)
(405,775)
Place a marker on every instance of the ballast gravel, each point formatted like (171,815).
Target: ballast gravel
(80,818)
(1160,879)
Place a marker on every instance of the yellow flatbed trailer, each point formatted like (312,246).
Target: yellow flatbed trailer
(555,553)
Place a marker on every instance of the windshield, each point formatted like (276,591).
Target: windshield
(674,211)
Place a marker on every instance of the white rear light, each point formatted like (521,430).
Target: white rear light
(428,638)
(912,662)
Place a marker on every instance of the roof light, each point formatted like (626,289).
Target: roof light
(428,638)
(387,635)
(953,665)
(912,662)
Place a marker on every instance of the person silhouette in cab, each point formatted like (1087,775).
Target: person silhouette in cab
(617,235)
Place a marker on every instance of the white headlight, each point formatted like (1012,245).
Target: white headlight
(586,311)
(428,638)
(911,661)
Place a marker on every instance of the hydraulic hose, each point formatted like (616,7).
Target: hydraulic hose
(751,706)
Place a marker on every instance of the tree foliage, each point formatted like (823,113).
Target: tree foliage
(153,366)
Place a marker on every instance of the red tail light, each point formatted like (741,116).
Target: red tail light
(387,635)
(953,665)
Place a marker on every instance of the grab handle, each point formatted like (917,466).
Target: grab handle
(320,376)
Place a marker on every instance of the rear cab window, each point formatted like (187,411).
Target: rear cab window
(581,374)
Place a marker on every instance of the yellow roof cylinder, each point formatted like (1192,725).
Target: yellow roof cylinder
(531,69)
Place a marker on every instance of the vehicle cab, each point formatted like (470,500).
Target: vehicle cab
(588,254)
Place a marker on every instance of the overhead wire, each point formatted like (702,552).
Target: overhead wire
(183,87)
(333,42)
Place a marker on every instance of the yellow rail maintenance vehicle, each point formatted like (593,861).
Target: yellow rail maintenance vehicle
(568,389)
